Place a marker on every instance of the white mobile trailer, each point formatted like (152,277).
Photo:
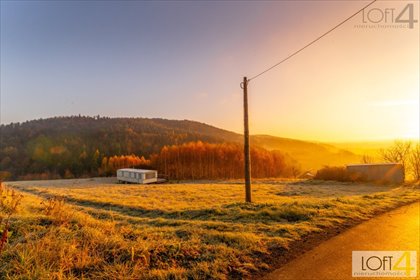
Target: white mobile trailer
(137,176)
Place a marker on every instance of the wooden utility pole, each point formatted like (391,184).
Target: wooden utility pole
(246,144)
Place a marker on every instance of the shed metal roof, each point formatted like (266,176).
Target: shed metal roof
(374,164)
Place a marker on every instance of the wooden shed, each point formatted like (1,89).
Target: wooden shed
(378,172)
(138,176)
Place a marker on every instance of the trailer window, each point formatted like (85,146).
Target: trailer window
(150,175)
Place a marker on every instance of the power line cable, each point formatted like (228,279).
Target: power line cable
(312,42)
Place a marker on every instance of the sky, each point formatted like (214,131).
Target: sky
(185,60)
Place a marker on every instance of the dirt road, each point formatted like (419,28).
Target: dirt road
(395,230)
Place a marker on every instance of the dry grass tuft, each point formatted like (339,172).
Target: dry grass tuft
(9,202)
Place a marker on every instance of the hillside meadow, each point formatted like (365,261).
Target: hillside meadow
(96,229)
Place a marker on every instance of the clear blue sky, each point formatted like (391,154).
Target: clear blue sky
(185,60)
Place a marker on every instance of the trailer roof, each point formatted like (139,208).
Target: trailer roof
(136,170)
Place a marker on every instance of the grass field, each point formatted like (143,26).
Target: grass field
(95,229)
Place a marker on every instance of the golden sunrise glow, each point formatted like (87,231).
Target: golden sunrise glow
(355,84)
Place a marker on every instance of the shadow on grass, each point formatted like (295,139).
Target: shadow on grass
(233,213)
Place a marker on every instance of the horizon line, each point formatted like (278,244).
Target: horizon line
(239,133)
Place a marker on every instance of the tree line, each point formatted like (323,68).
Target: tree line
(80,146)
(193,160)
(200,160)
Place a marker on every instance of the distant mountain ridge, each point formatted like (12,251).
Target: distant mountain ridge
(310,155)
(35,142)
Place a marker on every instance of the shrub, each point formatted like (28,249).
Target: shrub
(334,173)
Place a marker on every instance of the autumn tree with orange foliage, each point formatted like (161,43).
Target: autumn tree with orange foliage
(109,166)
(198,160)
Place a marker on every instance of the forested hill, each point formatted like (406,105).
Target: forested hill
(310,155)
(31,146)
(80,143)
(112,136)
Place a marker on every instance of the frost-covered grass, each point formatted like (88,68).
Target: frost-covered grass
(174,231)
